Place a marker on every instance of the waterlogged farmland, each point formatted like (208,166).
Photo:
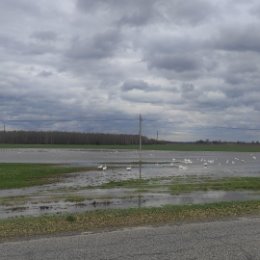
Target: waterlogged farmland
(84,180)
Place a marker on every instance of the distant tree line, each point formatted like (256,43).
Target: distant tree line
(207,141)
(42,137)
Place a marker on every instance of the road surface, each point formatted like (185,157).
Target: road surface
(232,239)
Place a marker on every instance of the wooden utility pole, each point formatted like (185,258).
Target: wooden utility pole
(4,134)
(140,146)
(140,134)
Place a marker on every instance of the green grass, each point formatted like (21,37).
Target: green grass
(226,184)
(16,175)
(205,147)
(133,183)
(177,185)
(13,200)
(74,198)
(24,227)
(166,147)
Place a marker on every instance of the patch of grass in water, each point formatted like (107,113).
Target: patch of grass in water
(131,183)
(225,184)
(13,200)
(20,175)
(74,198)
(185,184)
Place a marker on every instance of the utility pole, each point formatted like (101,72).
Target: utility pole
(4,134)
(140,134)
(140,146)
(157,136)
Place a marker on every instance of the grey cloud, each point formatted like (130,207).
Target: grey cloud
(12,46)
(239,39)
(189,12)
(130,85)
(179,63)
(137,18)
(100,46)
(44,35)
(187,87)
(9,43)
(140,12)
(45,74)
(152,97)
(172,59)
(255,10)
(134,12)
(189,91)
(19,6)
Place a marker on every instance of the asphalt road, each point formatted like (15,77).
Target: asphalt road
(233,239)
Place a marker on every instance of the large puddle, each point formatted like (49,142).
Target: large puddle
(73,194)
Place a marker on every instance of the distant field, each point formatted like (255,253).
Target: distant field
(164,147)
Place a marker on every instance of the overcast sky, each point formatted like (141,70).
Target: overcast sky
(188,66)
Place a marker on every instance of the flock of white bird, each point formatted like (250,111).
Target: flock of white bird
(186,161)
(103,167)
(207,162)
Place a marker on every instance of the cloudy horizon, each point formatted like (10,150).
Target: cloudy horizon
(191,68)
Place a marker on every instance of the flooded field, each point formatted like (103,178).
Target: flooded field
(110,186)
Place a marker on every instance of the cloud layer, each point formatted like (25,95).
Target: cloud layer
(186,66)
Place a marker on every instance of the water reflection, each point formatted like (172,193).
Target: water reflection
(137,201)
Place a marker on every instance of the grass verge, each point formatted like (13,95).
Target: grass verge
(25,227)
(17,175)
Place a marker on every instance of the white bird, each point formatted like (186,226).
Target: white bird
(181,167)
(104,167)
(187,161)
(128,168)
(100,167)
